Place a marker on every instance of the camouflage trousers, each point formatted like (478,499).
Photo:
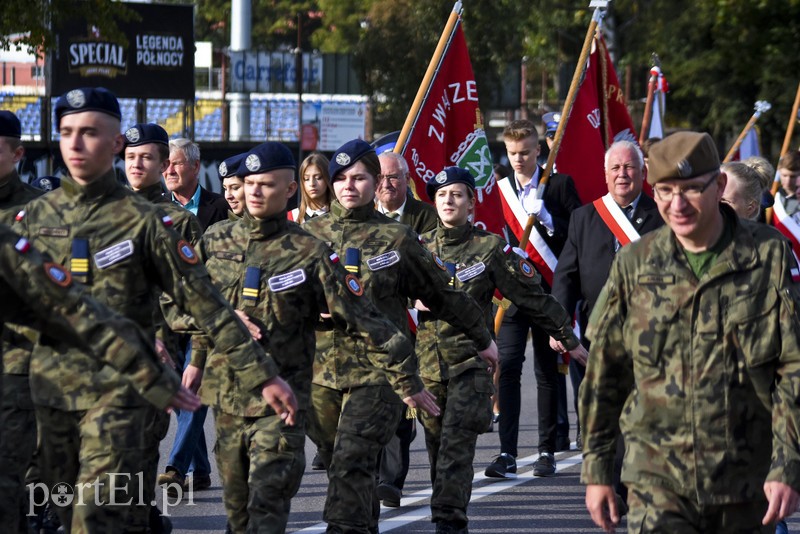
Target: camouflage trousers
(656,510)
(157,426)
(350,428)
(100,456)
(261,462)
(466,406)
(17,444)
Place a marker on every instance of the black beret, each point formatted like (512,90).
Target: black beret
(47,183)
(9,125)
(681,156)
(449,176)
(230,166)
(266,157)
(146,133)
(87,99)
(348,154)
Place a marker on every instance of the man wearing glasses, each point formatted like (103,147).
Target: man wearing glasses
(394,200)
(696,354)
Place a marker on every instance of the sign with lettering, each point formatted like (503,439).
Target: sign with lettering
(273,72)
(157,62)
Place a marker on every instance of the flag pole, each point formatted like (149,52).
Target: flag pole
(648,107)
(599,10)
(761,106)
(433,66)
(787,143)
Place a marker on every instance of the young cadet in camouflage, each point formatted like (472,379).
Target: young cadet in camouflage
(92,422)
(695,356)
(16,408)
(355,412)
(282,278)
(232,185)
(479,262)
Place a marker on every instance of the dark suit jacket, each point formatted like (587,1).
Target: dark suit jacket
(212,208)
(585,260)
(420,216)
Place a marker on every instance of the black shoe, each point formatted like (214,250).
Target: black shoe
(503,466)
(545,465)
(562,443)
(389,495)
(316,463)
(450,527)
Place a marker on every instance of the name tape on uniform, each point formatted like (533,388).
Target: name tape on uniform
(282,282)
(113,254)
(383,261)
(470,272)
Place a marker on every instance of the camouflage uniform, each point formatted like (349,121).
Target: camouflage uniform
(91,421)
(702,375)
(449,363)
(355,412)
(282,277)
(16,408)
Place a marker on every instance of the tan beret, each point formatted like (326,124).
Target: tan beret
(681,156)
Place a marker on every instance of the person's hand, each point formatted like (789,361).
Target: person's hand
(192,378)
(536,206)
(164,354)
(424,400)
(420,306)
(556,345)
(601,501)
(253,328)
(489,355)
(184,400)
(280,397)
(580,354)
(783,501)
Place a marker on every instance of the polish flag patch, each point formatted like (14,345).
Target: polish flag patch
(167,220)
(334,258)
(23,245)
(20,216)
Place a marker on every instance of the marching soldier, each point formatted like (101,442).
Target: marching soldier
(355,410)
(451,369)
(93,423)
(282,278)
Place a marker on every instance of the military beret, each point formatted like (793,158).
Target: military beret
(47,183)
(681,156)
(87,99)
(9,125)
(348,154)
(449,176)
(551,121)
(265,157)
(230,166)
(146,133)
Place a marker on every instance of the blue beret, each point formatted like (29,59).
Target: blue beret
(146,133)
(230,166)
(87,99)
(348,154)
(47,183)
(9,125)
(449,176)
(266,157)
(551,121)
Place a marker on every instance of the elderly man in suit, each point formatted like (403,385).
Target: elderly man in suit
(182,179)
(394,200)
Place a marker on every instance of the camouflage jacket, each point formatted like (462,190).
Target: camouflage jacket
(482,262)
(17,340)
(122,248)
(283,277)
(394,267)
(703,376)
(39,293)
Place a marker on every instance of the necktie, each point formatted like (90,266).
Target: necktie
(628,211)
(393,215)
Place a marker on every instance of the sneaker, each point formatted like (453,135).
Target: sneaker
(389,495)
(197,483)
(545,465)
(317,464)
(503,466)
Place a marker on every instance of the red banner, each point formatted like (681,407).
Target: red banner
(598,118)
(448,131)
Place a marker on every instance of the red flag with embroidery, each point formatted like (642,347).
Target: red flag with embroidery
(598,118)
(448,131)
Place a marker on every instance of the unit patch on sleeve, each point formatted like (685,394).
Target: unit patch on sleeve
(113,254)
(526,268)
(187,253)
(387,259)
(58,274)
(470,272)
(282,282)
(354,285)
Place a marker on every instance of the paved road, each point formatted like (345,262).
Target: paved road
(527,504)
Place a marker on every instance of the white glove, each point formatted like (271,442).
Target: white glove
(536,207)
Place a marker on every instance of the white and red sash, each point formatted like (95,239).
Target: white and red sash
(293,214)
(615,220)
(516,218)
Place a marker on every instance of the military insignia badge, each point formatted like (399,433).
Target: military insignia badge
(470,272)
(281,282)
(252,163)
(342,159)
(23,245)
(76,98)
(684,168)
(441,177)
(439,262)
(187,253)
(383,261)
(167,220)
(111,255)
(58,274)
(132,135)
(223,169)
(20,216)
(354,285)
(526,268)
